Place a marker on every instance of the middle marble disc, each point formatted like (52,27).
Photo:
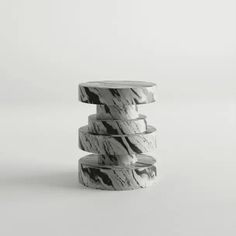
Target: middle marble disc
(125,144)
(134,126)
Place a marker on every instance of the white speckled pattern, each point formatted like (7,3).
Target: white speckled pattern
(117,135)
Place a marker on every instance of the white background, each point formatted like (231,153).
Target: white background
(48,47)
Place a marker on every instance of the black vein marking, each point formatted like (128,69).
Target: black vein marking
(92,97)
(115,92)
(120,128)
(132,146)
(121,180)
(106,149)
(107,109)
(95,173)
(111,158)
(119,139)
(135,92)
(109,128)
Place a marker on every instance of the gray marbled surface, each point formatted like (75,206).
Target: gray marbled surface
(105,112)
(117,135)
(134,126)
(117,92)
(126,144)
(138,175)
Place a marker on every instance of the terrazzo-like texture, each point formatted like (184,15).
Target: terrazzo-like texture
(117,135)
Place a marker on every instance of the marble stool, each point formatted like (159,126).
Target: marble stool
(117,135)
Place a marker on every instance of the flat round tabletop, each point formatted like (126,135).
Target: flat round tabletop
(119,84)
(115,92)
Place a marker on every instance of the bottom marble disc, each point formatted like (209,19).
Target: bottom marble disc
(141,174)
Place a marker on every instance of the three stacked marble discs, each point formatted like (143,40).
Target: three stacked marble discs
(117,135)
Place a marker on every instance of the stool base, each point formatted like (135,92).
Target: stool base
(140,174)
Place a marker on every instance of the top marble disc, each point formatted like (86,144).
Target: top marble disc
(117,92)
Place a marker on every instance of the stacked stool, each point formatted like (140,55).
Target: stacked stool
(117,135)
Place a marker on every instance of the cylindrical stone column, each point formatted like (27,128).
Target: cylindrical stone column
(117,135)
(114,112)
